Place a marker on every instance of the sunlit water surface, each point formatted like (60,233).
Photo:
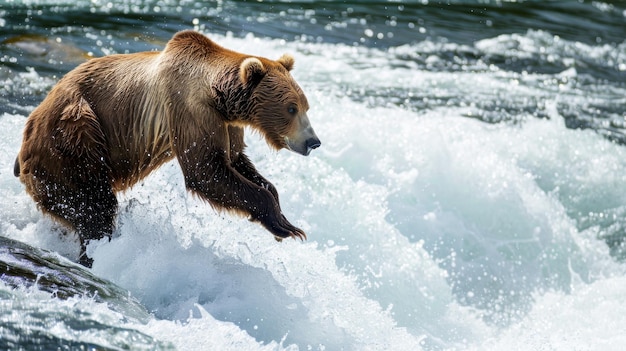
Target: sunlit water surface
(470,192)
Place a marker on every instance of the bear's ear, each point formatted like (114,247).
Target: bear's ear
(287,61)
(251,69)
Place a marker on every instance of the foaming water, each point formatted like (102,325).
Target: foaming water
(428,228)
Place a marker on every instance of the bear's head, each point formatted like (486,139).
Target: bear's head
(279,107)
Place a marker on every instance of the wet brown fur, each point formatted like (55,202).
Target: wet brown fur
(113,120)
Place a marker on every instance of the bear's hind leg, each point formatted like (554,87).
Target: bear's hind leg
(64,164)
(90,209)
(95,221)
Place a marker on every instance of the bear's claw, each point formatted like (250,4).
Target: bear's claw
(298,234)
(281,229)
(295,233)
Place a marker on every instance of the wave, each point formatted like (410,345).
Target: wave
(427,229)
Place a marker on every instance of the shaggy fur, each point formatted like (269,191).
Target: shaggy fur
(111,121)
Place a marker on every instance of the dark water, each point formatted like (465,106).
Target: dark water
(53,37)
(26,268)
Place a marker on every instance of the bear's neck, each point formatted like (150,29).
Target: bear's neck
(233,99)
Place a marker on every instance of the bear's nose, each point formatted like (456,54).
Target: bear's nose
(313,143)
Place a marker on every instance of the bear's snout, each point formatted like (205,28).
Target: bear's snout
(303,147)
(303,139)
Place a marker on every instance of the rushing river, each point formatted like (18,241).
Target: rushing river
(470,192)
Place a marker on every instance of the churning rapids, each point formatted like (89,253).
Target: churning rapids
(470,193)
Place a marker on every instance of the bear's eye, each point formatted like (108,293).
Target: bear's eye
(292,110)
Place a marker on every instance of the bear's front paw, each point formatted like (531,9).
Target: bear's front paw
(281,228)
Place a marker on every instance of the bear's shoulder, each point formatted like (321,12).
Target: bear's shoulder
(191,37)
(190,42)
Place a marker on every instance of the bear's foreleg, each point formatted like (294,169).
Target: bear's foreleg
(217,181)
(242,164)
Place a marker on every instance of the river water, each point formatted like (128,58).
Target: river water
(470,193)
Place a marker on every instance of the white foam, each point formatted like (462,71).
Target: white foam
(426,229)
(590,318)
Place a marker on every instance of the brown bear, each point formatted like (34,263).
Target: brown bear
(112,120)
